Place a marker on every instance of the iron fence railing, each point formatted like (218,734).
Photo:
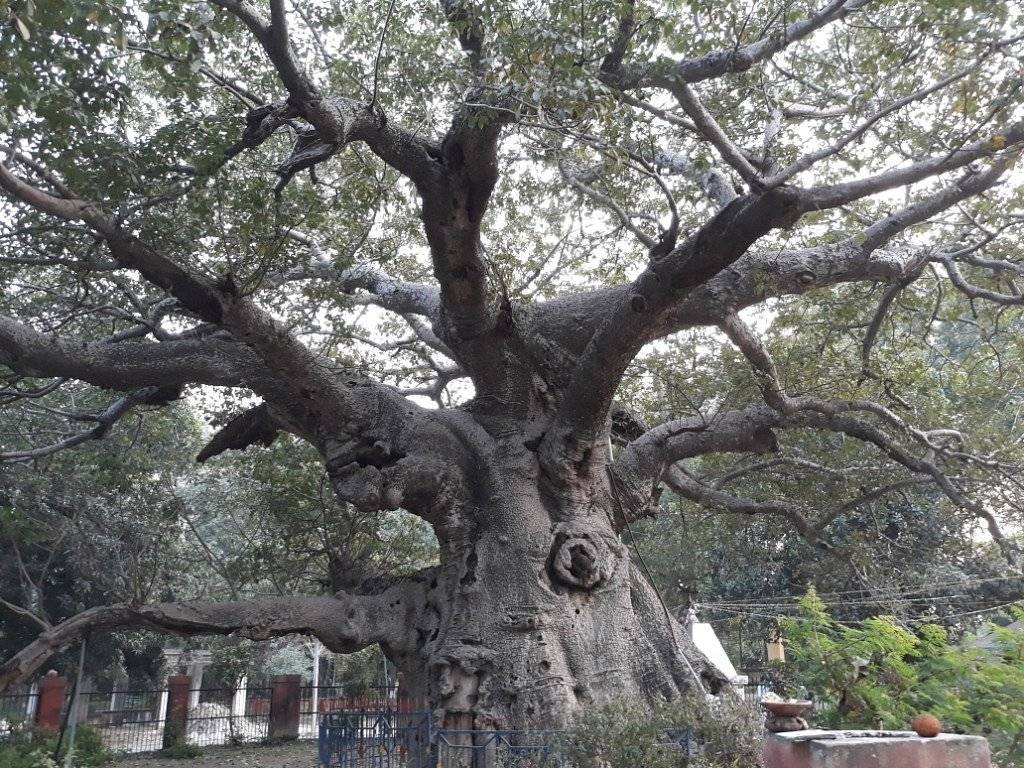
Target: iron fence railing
(375,730)
(127,721)
(375,739)
(754,692)
(224,716)
(406,740)
(16,711)
(315,703)
(134,721)
(501,749)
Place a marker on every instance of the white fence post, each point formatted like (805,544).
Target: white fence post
(238,700)
(161,711)
(32,703)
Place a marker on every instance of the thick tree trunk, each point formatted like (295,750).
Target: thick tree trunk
(537,611)
(534,612)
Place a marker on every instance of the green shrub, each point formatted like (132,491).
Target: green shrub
(729,730)
(25,749)
(31,749)
(626,734)
(881,674)
(12,756)
(89,750)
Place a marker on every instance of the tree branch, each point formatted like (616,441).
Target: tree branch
(869,433)
(834,195)
(344,623)
(806,161)
(384,290)
(125,366)
(296,367)
(713,132)
(642,306)
(577,183)
(465,17)
(26,614)
(707,496)
(105,420)
(739,58)
(758,275)
(335,121)
(641,464)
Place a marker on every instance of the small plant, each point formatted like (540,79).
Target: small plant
(26,749)
(12,756)
(721,732)
(728,731)
(89,750)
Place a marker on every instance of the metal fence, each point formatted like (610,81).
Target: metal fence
(317,703)
(222,716)
(375,739)
(127,721)
(16,710)
(406,740)
(133,721)
(501,749)
(754,692)
(371,730)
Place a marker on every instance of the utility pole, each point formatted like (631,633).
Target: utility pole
(73,714)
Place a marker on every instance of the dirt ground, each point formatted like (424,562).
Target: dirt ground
(298,755)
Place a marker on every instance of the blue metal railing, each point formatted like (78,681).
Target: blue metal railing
(376,740)
(507,749)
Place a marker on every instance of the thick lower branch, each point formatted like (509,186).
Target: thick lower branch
(344,623)
(129,365)
(642,464)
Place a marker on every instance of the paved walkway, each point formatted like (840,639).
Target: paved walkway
(299,755)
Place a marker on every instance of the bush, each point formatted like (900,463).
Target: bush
(728,730)
(89,750)
(726,733)
(881,674)
(30,749)
(12,756)
(24,749)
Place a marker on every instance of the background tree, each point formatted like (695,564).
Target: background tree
(512,213)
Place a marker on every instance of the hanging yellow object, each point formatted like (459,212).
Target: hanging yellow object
(776,651)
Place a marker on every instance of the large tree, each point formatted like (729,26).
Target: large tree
(546,197)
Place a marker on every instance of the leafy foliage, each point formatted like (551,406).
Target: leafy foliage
(726,732)
(26,748)
(881,674)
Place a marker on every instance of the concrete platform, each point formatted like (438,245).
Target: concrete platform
(873,749)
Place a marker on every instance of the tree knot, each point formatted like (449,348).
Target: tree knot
(581,559)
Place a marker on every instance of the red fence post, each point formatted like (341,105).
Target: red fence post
(176,725)
(285,692)
(51,702)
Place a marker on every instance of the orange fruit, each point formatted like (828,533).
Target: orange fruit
(926,725)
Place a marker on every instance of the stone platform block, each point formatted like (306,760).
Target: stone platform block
(873,749)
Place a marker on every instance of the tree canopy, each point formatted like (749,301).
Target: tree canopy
(514,269)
